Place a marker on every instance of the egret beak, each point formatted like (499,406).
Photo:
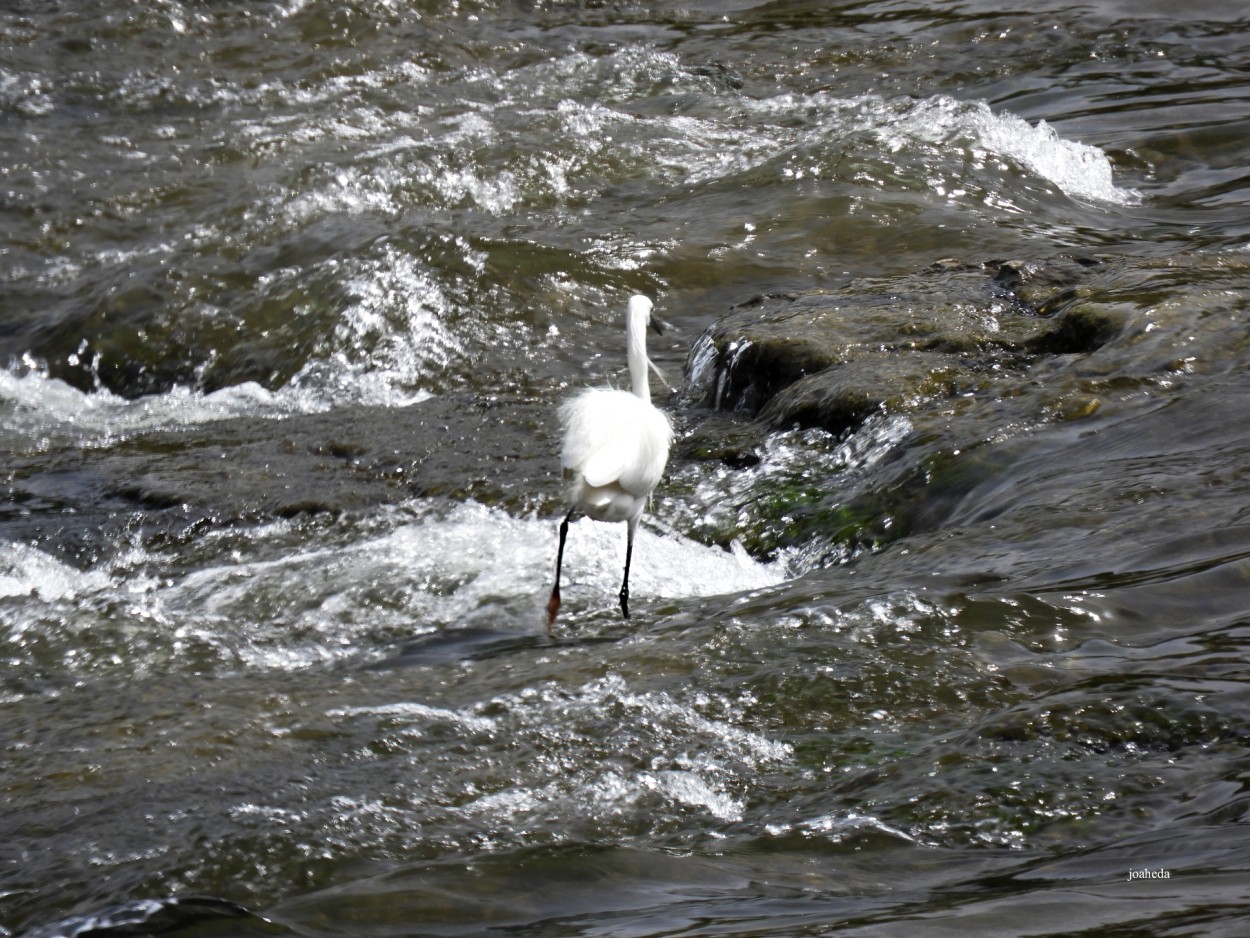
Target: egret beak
(657,325)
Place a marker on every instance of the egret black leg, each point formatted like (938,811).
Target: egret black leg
(629,553)
(553,604)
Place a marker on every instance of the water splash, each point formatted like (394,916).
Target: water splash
(394,333)
(26,571)
(809,466)
(40,412)
(391,338)
(267,599)
(1078,169)
(694,763)
(941,142)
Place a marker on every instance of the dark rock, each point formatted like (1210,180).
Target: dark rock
(844,396)
(1078,329)
(172,483)
(831,358)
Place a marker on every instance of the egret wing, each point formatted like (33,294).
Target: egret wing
(615,438)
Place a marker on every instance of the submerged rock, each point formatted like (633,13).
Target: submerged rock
(831,358)
(171,484)
(947,376)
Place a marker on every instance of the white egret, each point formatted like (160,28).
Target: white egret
(615,448)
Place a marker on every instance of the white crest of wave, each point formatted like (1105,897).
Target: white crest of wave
(727,135)
(477,560)
(280,603)
(39,411)
(680,786)
(414,712)
(393,335)
(390,338)
(1078,169)
(898,125)
(28,571)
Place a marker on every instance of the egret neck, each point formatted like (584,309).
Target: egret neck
(636,346)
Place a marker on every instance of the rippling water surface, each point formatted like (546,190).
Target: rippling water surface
(289,293)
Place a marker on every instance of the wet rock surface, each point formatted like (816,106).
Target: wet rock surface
(831,358)
(959,350)
(174,483)
(966,356)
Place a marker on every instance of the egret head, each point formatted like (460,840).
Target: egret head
(640,312)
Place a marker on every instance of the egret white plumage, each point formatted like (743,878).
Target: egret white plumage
(615,448)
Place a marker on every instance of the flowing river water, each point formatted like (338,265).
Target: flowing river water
(289,294)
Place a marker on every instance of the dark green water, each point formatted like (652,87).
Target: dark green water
(289,293)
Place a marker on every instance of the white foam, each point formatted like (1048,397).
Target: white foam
(478,558)
(350,190)
(39,411)
(393,335)
(390,339)
(680,786)
(695,762)
(936,130)
(276,602)
(664,566)
(411,711)
(1078,169)
(733,741)
(28,571)
(842,827)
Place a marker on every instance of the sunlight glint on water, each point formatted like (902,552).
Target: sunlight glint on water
(290,295)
